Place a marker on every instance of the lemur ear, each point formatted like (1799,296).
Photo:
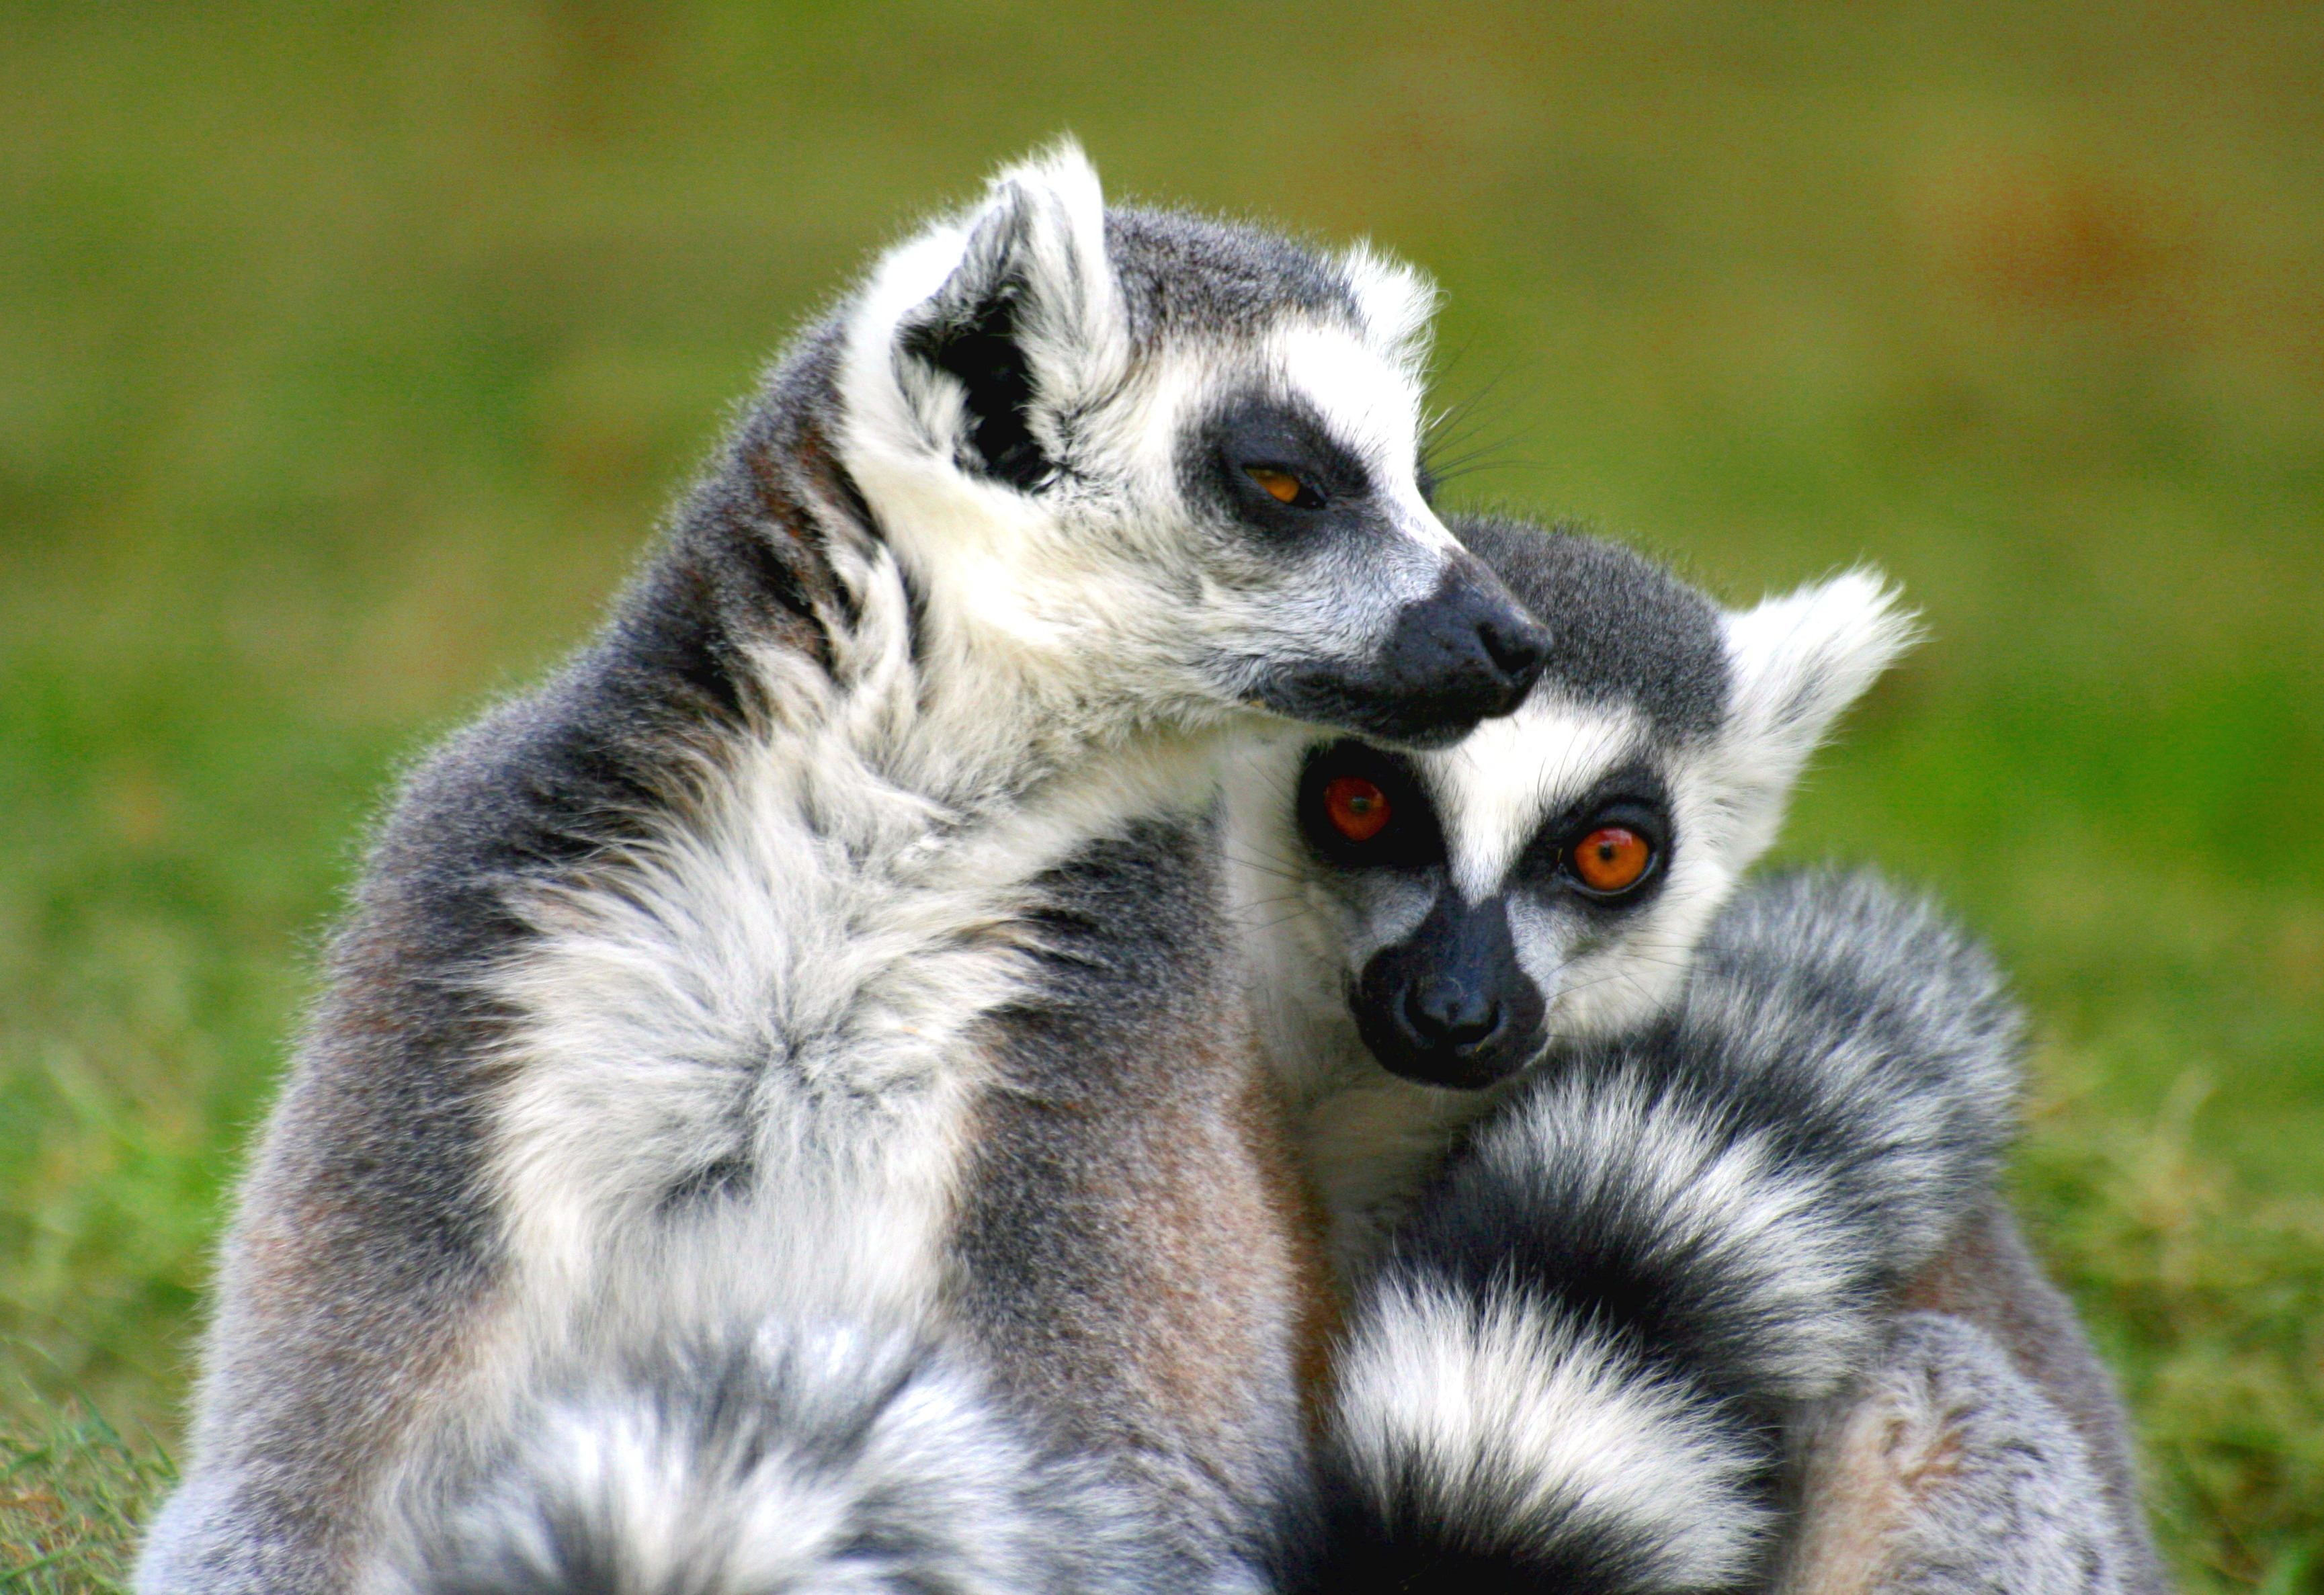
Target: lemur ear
(1795,662)
(1396,302)
(1025,324)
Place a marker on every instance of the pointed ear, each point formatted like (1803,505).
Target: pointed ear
(1396,303)
(1025,326)
(1795,663)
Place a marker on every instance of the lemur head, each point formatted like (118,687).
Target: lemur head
(1163,460)
(1547,878)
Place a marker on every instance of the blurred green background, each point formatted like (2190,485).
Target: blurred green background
(349,354)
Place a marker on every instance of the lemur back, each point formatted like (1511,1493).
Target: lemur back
(760,994)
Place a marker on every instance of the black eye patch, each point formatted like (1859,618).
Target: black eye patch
(1272,465)
(1362,808)
(1633,804)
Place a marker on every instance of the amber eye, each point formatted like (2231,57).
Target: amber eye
(1356,808)
(1280,485)
(1612,858)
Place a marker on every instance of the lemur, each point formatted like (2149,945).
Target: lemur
(1719,1293)
(809,1023)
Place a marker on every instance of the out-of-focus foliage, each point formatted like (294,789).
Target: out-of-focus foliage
(348,353)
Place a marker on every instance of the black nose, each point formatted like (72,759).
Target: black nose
(1449,1005)
(1450,1014)
(1477,640)
(1465,653)
(1519,646)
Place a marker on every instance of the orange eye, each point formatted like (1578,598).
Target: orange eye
(1281,485)
(1612,858)
(1356,808)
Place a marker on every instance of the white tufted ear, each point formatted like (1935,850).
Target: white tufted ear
(1398,303)
(994,326)
(1795,663)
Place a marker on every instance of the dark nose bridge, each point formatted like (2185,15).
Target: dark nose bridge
(1470,636)
(1463,945)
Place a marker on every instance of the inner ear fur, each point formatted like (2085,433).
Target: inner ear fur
(1795,662)
(1027,324)
(1798,660)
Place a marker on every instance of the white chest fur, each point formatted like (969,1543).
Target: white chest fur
(747,1059)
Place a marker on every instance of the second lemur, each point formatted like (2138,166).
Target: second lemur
(1731,1208)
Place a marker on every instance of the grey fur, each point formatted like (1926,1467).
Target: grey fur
(1627,631)
(750,974)
(1988,1278)
(792,1458)
(1949,1473)
(1120,1076)
(1190,276)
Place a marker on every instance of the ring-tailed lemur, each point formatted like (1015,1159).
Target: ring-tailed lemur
(1681,1246)
(824,981)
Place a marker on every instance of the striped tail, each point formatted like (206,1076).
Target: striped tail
(800,1462)
(1574,1367)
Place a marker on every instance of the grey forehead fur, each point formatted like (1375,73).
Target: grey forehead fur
(1622,628)
(1183,273)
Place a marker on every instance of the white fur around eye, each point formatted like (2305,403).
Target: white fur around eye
(1493,791)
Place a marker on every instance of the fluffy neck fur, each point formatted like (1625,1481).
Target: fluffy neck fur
(797,939)
(964,720)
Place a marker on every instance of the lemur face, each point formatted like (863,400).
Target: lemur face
(1548,878)
(1177,459)
(1328,529)
(1491,907)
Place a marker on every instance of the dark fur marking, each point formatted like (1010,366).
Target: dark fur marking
(1255,430)
(1123,1236)
(980,351)
(1409,1548)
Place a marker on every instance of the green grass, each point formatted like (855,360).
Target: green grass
(72,1493)
(347,355)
